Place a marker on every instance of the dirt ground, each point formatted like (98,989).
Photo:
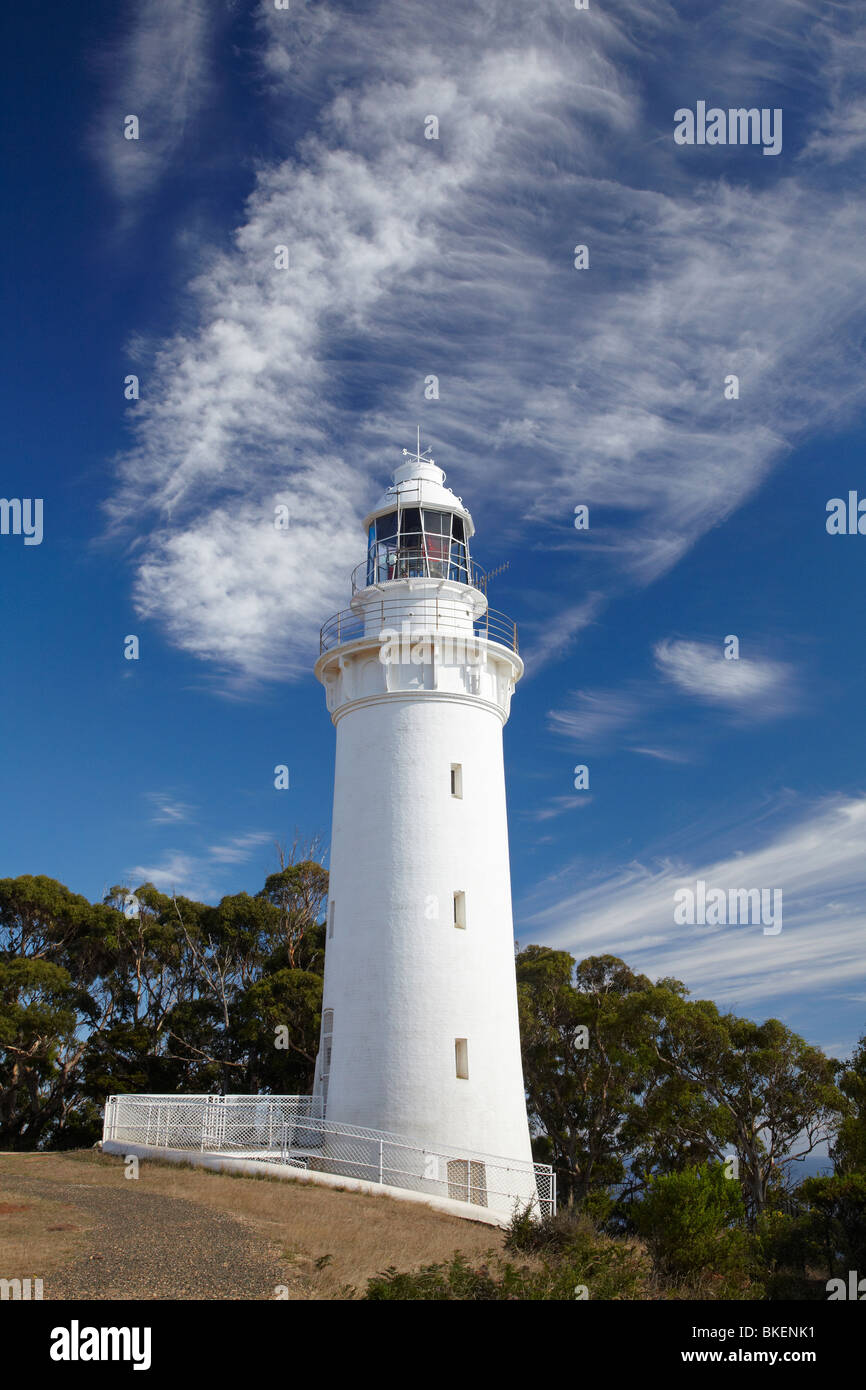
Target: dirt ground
(75,1221)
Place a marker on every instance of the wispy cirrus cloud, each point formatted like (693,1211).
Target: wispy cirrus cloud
(840,131)
(750,689)
(594,715)
(664,755)
(160,68)
(167,810)
(559,805)
(454,257)
(550,640)
(197,873)
(816,861)
(174,872)
(239,849)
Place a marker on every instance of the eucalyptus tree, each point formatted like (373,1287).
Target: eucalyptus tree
(849,1152)
(772,1096)
(56,995)
(627,1079)
(148,991)
(588,1037)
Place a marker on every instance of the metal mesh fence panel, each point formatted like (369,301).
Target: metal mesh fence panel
(291,1131)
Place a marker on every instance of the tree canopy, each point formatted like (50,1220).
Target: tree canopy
(151,992)
(627,1079)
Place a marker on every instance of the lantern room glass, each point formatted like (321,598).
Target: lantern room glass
(417,543)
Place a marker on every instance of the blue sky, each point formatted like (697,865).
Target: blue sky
(605,386)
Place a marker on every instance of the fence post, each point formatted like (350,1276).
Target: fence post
(381,1167)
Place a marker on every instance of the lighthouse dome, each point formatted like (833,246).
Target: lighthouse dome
(421,483)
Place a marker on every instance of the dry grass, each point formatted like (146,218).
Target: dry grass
(37,1235)
(330,1239)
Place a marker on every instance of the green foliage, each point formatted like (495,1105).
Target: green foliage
(691,1221)
(850,1150)
(783,1242)
(54,946)
(836,1221)
(566,1258)
(630,1085)
(825,1239)
(522,1228)
(627,1079)
(284,998)
(764,1089)
(604,1269)
(182,996)
(786,1253)
(567,1229)
(299,893)
(588,1035)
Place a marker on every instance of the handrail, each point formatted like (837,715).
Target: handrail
(433,616)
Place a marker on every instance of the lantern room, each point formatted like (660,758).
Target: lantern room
(419,530)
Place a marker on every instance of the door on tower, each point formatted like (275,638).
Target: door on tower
(467,1181)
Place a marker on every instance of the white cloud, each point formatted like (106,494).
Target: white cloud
(819,865)
(749,688)
(239,849)
(549,640)
(454,257)
(196,875)
(701,669)
(160,70)
(665,755)
(557,805)
(176,873)
(238,592)
(593,715)
(840,127)
(166,810)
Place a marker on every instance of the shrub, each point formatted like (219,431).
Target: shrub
(837,1207)
(783,1242)
(692,1221)
(569,1228)
(604,1268)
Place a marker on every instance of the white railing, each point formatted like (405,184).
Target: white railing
(291,1130)
(425,614)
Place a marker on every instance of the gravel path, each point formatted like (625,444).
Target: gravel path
(144,1245)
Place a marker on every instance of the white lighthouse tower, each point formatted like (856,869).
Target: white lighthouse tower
(420,1029)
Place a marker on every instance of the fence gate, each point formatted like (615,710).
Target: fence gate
(212,1123)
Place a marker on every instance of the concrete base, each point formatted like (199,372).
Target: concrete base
(258,1167)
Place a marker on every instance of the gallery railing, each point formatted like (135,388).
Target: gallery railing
(426,615)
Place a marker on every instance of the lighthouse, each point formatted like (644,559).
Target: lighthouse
(420,1030)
